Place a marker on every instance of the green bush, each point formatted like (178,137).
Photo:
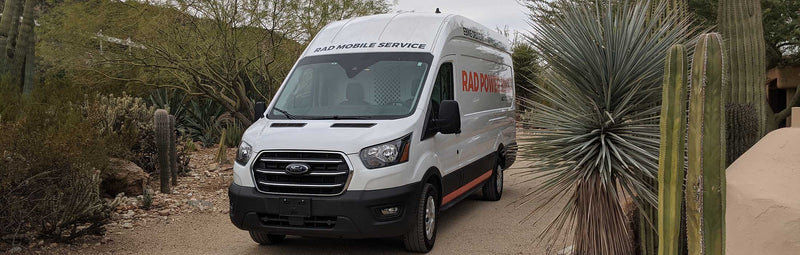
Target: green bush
(51,162)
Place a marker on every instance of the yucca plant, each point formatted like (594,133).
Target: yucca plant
(595,139)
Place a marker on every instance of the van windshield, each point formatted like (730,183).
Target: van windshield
(353,86)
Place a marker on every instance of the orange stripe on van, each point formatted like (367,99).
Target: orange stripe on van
(466,187)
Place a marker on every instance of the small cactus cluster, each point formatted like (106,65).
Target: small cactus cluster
(742,129)
(706,145)
(165,146)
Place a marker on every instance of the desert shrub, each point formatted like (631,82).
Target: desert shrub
(126,125)
(51,158)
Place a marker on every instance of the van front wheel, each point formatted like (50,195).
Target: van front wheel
(263,238)
(422,235)
(493,188)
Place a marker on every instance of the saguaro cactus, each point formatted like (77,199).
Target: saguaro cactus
(739,21)
(705,178)
(741,121)
(672,151)
(173,152)
(162,136)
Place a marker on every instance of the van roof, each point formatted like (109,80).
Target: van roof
(408,31)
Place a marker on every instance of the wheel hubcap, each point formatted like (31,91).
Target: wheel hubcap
(499,180)
(430,217)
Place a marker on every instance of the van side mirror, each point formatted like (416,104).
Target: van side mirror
(449,121)
(259,109)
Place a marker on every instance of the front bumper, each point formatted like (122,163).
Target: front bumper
(354,214)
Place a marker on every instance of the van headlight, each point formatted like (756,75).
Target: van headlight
(386,154)
(243,153)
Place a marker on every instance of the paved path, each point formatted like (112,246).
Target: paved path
(471,227)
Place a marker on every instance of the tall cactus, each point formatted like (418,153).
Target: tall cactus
(705,178)
(672,151)
(741,121)
(173,152)
(24,42)
(11,10)
(162,136)
(739,21)
(222,156)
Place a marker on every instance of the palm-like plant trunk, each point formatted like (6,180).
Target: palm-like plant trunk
(592,197)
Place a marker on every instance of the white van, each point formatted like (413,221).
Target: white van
(383,122)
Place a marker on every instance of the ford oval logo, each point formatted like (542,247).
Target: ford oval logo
(297,168)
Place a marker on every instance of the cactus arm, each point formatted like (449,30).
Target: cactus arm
(222,153)
(161,122)
(29,69)
(24,39)
(705,179)
(671,153)
(173,153)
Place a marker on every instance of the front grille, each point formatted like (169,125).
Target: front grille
(308,222)
(328,173)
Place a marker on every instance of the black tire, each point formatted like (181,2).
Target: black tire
(418,239)
(263,238)
(493,188)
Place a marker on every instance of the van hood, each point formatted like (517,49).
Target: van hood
(348,136)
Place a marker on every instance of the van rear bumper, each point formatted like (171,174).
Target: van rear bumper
(353,214)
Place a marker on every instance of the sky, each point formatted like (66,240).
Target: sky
(490,13)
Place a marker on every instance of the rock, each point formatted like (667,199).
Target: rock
(15,249)
(124,176)
(127,225)
(763,212)
(164,212)
(128,215)
(200,204)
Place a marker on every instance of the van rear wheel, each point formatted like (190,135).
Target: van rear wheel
(263,238)
(493,188)
(422,235)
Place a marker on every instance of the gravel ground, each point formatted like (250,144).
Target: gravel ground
(471,227)
(177,225)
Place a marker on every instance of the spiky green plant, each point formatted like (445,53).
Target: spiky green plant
(596,136)
(173,152)
(705,177)
(161,123)
(739,22)
(672,151)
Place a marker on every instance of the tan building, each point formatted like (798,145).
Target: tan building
(781,85)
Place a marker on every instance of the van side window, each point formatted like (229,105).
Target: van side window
(442,90)
(443,87)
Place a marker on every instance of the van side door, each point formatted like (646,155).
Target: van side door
(445,145)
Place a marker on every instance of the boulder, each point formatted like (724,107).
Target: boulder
(763,208)
(123,176)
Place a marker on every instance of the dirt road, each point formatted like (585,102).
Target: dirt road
(471,227)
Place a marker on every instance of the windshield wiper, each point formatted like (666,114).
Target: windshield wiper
(285,113)
(337,117)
